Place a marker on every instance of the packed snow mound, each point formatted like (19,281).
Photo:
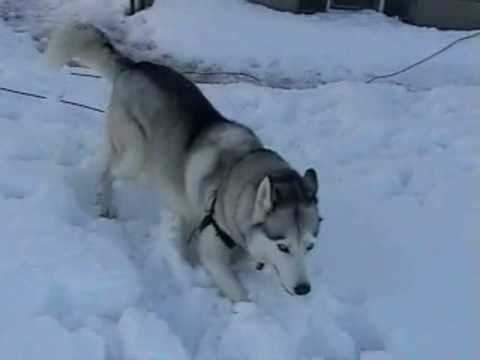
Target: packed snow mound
(394,274)
(279,48)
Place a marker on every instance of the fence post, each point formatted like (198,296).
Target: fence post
(139,5)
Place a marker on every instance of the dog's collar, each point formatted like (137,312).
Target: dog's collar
(209,219)
(222,234)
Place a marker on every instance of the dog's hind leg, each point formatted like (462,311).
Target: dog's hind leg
(125,150)
(127,140)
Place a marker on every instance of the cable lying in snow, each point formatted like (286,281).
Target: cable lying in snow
(231,77)
(24,93)
(42,97)
(200,77)
(425,59)
(237,75)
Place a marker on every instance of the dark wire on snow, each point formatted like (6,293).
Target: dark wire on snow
(239,74)
(234,74)
(195,73)
(369,81)
(24,93)
(425,59)
(42,97)
(88,107)
(75,73)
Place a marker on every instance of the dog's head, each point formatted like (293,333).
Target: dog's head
(285,223)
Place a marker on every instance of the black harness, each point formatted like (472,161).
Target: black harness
(210,220)
(226,239)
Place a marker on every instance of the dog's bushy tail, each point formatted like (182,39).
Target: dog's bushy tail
(87,44)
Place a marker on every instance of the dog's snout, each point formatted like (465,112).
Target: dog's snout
(302,289)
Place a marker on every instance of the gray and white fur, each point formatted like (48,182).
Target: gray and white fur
(161,127)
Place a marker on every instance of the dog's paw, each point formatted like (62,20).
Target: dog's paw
(104,207)
(238,295)
(108,214)
(246,307)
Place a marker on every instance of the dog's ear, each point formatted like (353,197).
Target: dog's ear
(263,199)
(311,183)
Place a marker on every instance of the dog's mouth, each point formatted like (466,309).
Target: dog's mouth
(281,283)
(260,267)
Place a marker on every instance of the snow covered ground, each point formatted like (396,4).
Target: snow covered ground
(280,49)
(395,274)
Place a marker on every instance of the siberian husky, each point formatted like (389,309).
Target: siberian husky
(233,195)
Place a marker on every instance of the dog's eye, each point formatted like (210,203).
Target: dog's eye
(310,246)
(320,219)
(283,248)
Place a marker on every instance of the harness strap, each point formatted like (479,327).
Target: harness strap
(226,239)
(210,220)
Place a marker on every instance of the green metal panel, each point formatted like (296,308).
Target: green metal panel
(445,14)
(284,5)
(297,6)
(353,4)
(311,6)
(397,7)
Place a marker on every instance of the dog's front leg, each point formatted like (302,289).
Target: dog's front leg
(226,281)
(105,194)
(216,258)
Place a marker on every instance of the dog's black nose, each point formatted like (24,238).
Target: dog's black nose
(302,289)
